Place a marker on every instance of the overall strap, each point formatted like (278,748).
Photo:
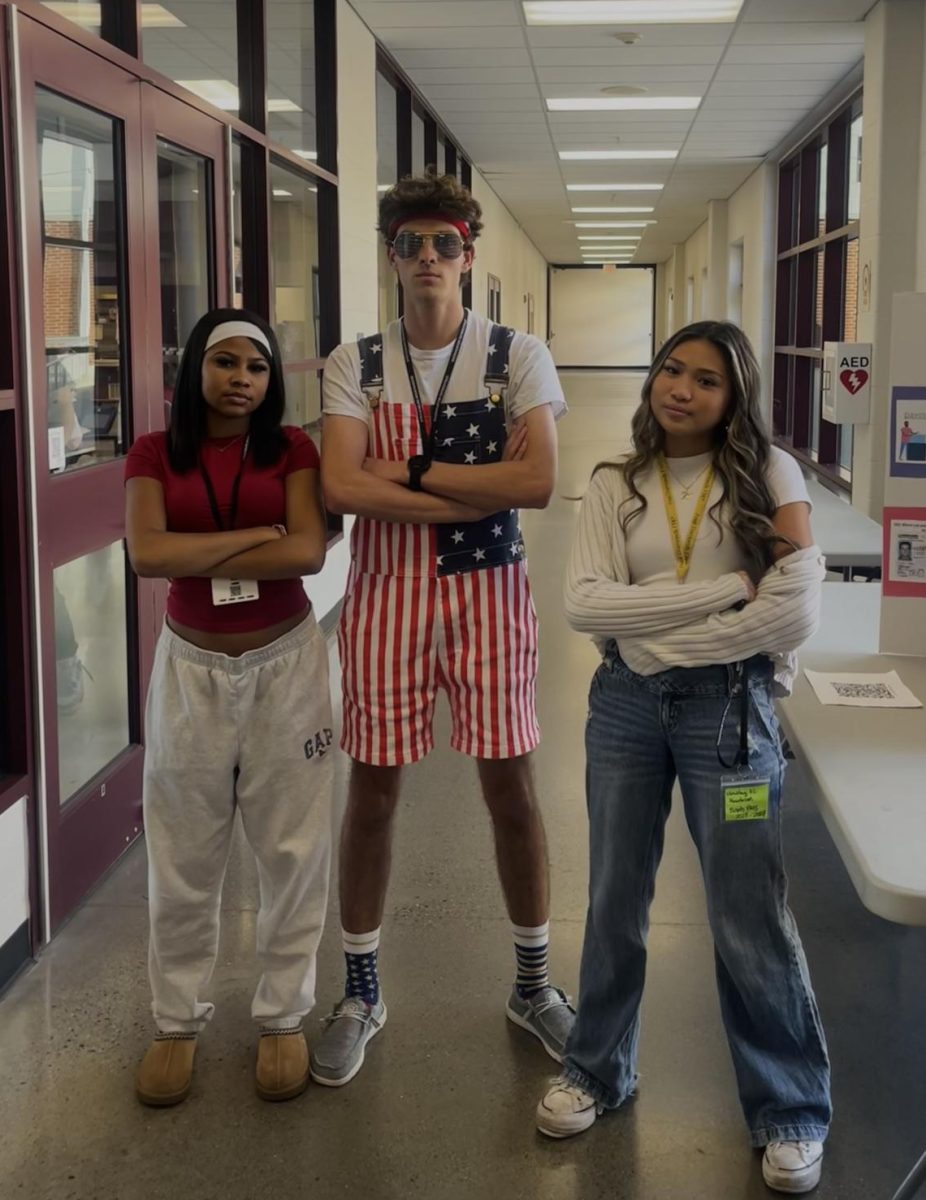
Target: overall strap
(371,367)
(497,356)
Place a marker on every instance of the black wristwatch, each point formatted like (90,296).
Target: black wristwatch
(417,465)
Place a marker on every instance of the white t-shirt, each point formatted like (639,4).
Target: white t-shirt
(650,555)
(532,376)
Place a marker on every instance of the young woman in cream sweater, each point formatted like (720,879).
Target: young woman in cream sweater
(694,568)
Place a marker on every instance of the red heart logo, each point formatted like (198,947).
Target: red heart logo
(853,381)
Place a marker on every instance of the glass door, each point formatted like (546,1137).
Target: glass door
(125,204)
(84,263)
(185,221)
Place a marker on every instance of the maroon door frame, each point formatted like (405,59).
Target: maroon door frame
(81,512)
(16,774)
(166,118)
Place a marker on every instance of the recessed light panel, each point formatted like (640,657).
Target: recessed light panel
(624,103)
(630,12)
(614,155)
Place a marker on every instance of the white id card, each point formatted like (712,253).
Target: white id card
(234,591)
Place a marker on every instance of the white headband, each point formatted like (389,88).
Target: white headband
(231,329)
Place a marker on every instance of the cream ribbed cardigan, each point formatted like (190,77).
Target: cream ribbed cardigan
(660,626)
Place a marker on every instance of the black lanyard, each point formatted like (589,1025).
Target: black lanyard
(427,441)
(210,491)
(741,673)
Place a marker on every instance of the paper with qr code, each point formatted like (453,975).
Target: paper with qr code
(862,691)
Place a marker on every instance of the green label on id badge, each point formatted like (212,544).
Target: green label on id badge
(745,799)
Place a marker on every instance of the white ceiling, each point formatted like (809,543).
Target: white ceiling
(487,74)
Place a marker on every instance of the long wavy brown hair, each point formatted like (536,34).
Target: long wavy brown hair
(741,446)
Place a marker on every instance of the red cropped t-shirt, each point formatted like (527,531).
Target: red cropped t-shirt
(261,501)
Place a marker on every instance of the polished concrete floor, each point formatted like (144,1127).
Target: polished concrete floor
(443,1108)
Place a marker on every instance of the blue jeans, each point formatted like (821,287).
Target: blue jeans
(642,732)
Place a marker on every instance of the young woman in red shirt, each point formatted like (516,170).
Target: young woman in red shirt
(226,504)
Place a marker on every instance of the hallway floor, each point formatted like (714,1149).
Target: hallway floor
(443,1109)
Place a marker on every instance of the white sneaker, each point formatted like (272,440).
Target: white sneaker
(792,1166)
(565,1110)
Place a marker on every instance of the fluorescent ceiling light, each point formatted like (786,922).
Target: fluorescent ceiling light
(609,237)
(611,224)
(623,103)
(630,12)
(153,16)
(224,95)
(312,154)
(612,208)
(613,155)
(614,187)
(607,249)
(281,192)
(383,187)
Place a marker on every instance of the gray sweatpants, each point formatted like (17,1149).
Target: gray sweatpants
(252,733)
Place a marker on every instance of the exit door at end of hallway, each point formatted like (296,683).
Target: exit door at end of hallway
(125,201)
(602,317)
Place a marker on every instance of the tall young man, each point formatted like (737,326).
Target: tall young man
(436,432)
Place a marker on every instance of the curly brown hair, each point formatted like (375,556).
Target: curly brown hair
(430,192)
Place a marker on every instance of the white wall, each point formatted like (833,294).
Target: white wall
(747,217)
(504,250)
(893,211)
(751,215)
(602,318)
(14,886)
(696,260)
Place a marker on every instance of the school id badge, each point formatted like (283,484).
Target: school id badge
(234,591)
(745,797)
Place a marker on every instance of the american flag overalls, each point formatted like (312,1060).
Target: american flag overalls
(433,607)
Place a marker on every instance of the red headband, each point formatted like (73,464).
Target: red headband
(461,227)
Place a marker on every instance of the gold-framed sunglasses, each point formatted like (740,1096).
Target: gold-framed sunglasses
(446,243)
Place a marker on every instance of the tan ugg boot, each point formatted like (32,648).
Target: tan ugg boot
(282,1065)
(166,1071)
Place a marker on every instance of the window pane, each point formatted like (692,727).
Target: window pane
(295,296)
(87,16)
(816,396)
(821,189)
(198,49)
(850,305)
(417,144)
(186,291)
(83,299)
(237,263)
(386,160)
(855,167)
(386,148)
(846,438)
(818,300)
(91,665)
(291,75)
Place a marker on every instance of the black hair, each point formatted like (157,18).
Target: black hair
(188,410)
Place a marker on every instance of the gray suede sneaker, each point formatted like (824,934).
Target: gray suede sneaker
(547,1014)
(338,1055)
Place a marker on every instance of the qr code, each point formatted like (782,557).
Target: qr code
(863,691)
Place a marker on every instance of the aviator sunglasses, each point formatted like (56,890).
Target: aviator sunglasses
(447,244)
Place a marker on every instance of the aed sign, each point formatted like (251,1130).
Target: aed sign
(847,382)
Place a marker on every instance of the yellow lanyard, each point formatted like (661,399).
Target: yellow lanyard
(683,553)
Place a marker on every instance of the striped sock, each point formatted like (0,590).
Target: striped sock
(360,952)
(531,945)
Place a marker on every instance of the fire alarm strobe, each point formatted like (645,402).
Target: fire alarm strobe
(847,382)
